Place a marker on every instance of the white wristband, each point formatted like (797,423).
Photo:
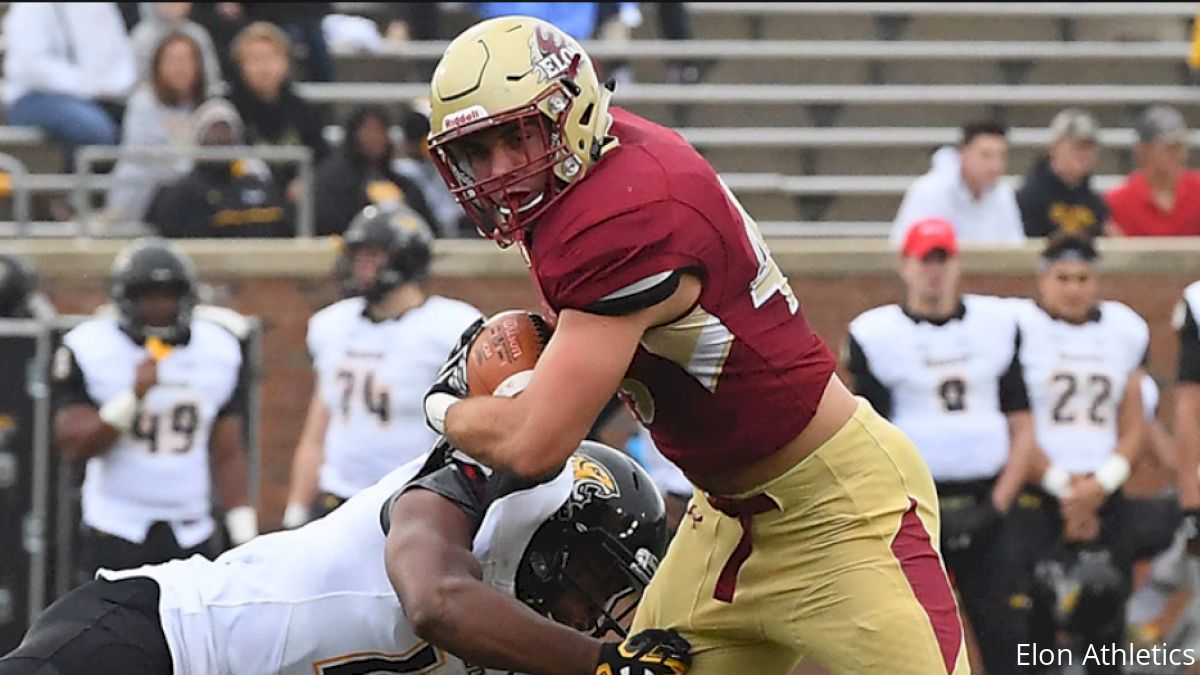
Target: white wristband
(120,411)
(242,524)
(436,406)
(294,516)
(1113,473)
(1056,481)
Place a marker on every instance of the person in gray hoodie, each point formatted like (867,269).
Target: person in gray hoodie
(159,114)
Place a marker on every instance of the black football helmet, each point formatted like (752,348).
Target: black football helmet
(614,511)
(18,280)
(398,231)
(153,262)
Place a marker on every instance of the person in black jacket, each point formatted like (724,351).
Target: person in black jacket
(1057,195)
(220,199)
(360,173)
(266,100)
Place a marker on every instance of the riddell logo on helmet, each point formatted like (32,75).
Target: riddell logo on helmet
(550,53)
(465,116)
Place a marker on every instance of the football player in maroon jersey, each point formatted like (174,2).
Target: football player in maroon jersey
(815,521)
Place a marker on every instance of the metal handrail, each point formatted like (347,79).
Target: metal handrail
(20,191)
(302,156)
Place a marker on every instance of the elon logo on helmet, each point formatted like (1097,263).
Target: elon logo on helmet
(550,53)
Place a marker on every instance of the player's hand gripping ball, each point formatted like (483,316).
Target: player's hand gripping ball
(501,358)
(491,357)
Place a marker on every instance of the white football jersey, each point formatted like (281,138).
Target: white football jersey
(372,377)
(944,381)
(317,600)
(1076,376)
(1186,321)
(160,470)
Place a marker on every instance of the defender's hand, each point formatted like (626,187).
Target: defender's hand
(650,652)
(451,380)
(145,376)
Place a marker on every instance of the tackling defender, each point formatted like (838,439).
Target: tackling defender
(814,525)
(434,569)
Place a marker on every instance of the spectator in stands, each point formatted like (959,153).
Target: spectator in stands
(412,161)
(360,174)
(223,21)
(163,19)
(300,20)
(1161,198)
(302,23)
(220,198)
(1057,195)
(159,115)
(274,114)
(63,63)
(964,187)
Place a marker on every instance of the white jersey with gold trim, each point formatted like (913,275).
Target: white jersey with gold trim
(372,377)
(944,382)
(160,470)
(1076,375)
(317,600)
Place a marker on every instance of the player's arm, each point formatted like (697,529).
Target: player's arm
(84,428)
(1022,444)
(1187,410)
(863,380)
(582,366)
(1090,493)
(438,581)
(306,464)
(1022,449)
(228,459)
(1131,420)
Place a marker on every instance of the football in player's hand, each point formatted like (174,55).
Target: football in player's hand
(501,358)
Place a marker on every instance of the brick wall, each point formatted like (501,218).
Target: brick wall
(830,301)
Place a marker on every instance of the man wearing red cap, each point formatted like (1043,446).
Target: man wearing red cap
(942,366)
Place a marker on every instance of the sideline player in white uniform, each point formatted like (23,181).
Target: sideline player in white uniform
(943,367)
(151,397)
(374,354)
(438,568)
(1187,411)
(1082,361)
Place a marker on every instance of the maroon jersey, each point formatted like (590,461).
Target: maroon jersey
(742,373)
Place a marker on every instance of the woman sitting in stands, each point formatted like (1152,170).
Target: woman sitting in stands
(159,115)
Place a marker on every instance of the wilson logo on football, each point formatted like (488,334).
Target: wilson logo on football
(550,53)
(465,116)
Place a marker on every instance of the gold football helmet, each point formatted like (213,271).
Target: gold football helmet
(525,75)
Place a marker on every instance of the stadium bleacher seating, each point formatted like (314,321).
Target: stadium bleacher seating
(819,114)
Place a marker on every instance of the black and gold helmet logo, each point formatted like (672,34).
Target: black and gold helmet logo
(592,480)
